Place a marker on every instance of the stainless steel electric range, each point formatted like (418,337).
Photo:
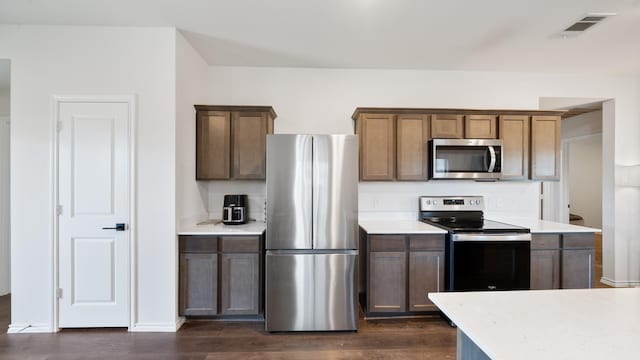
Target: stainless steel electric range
(480,254)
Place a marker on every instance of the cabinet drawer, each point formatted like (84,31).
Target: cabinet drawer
(426,242)
(545,241)
(240,244)
(387,243)
(198,244)
(578,241)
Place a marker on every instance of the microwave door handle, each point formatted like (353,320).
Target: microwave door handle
(492,164)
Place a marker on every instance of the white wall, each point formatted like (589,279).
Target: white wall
(50,60)
(5,234)
(585,180)
(582,125)
(322,100)
(583,137)
(191,88)
(4,100)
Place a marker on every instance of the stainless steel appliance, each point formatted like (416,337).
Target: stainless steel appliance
(465,159)
(480,254)
(312,226)
(235,210)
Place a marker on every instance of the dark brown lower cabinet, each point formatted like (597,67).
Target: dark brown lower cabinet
(199,284)
(387,285)
(577,268)
(545,269)
(562,261)
(400,271)
(545,261)
(240,284)
(426,274)
(220,275)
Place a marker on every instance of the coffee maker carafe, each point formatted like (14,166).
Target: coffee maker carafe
(235,210)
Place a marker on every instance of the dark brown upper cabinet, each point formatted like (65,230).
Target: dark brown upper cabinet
(447,126)
(545,148)
(231,141)
(394,141)
(480,127)
(514,132)
(393,147)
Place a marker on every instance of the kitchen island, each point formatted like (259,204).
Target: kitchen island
(549,324)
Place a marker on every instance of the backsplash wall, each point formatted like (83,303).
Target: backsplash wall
(399,200)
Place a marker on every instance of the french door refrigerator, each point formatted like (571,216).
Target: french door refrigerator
(312,227)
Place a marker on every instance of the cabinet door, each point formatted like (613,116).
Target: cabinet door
(212,145)
(447,126)
(387,282)
(480,127)
(249,143)
(198,284)
(545,147)
(514,132)
(545,269)
(377,146)
(240,284)
(412,137)
(426,274)
(577,269)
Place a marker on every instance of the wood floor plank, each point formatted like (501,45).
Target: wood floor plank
(429,338)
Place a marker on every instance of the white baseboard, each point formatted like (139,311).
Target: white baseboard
(158,327)
(29,328)
(614,283)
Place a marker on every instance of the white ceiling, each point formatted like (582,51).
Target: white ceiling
(502,35)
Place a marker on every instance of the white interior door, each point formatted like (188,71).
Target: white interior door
(93,191)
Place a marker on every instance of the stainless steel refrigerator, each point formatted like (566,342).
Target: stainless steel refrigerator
(312,227)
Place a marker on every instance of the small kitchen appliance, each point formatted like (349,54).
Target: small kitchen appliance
(235,209)
(480,254)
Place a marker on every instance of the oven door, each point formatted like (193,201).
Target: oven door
(480,262)
(465,159)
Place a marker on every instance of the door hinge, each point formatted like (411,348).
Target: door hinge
(59,293)
(59,210)
(59,126)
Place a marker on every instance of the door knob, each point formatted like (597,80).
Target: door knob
(118,227)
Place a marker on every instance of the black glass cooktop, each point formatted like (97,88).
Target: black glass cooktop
(455,225)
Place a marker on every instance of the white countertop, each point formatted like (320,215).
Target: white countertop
(250,228)
(418,227)
(399,227)
(544,226)
(549,324)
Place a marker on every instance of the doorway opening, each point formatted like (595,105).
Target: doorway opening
(5,225)
(583,188)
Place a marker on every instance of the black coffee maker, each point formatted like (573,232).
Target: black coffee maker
(235,210)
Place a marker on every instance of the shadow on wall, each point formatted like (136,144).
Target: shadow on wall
(5,233)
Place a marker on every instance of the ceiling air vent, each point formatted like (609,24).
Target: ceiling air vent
(585,23)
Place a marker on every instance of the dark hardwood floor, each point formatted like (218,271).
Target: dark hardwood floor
(429,338)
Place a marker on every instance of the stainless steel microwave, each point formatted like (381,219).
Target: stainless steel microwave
(465,159)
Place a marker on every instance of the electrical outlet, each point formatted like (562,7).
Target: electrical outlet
(376,203)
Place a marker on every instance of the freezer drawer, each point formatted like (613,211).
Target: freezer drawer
(311,292)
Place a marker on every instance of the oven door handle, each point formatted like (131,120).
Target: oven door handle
(492,154)
(491,237)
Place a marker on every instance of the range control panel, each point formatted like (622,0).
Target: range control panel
(451,203)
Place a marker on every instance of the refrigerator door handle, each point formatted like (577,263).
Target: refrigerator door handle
(315,191)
